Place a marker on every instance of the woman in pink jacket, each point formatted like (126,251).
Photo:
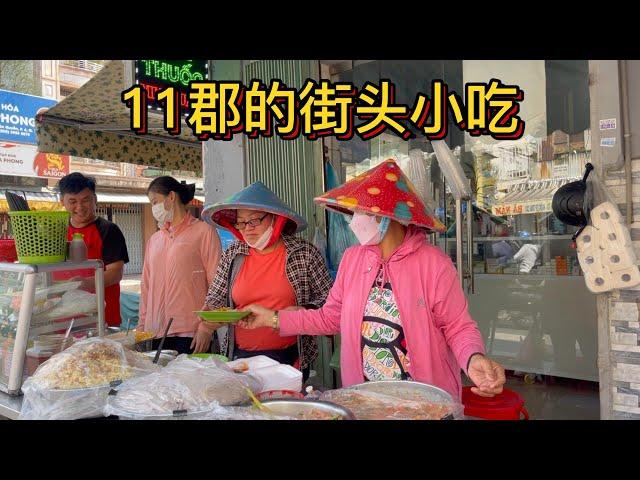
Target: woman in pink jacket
(179,263)
(396,301)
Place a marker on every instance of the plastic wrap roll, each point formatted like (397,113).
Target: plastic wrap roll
(452,170)
(604,214)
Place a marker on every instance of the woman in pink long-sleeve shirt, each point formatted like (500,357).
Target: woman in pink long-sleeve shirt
(180,261)
(396,301)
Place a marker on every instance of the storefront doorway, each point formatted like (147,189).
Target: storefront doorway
(530,301)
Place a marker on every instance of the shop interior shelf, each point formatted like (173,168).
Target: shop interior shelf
(524,239)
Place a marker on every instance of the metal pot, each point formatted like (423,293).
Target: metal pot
(295,407)
(406,389)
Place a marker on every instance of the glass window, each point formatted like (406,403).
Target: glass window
(530,302)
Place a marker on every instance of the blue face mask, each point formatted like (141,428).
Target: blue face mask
(383,227)
(367,230)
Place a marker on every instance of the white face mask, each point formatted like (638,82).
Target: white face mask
(261,243)
(367,230)
(161,214)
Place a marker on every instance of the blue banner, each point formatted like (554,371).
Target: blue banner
(17,116)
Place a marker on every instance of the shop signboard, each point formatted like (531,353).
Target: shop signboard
(155,75)
(561,169)
(18,116)
(522,208)
(25,161)
(51,165)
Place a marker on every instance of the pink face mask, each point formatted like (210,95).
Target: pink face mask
(367,230)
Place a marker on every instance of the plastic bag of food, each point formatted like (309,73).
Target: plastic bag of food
(368,405)
(75,383)
(185,387)
(73,302)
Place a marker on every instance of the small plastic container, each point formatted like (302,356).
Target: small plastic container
(254,363)
(508,405)
(166,356)
(36,357)
(279,377)
(77,248)
(8,250)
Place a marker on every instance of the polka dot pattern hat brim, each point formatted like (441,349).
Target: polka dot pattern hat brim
(384,191)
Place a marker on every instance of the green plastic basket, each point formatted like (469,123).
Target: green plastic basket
(41,237)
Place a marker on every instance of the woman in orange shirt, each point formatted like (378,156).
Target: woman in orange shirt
(266,265)
(179,263)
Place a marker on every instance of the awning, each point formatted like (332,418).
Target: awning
(121,198)
(92,122)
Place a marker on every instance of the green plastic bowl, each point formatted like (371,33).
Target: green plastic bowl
(222,358)
(229,316)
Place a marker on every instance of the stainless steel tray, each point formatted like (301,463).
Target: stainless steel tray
(407,390)
(294,407)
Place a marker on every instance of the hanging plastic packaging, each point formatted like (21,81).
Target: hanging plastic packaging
(418,170)
(320,242)
(340,235)
(452,170)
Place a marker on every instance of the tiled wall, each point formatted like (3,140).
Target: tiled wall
(624,318)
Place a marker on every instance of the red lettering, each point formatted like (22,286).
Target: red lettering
(151,90)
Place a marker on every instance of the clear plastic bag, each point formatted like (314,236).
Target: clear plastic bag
(75,383)
(340,238)
(368,405)
(185,387)
(416,168)
(41,301)
(74,302)
(237,413)
(452,170)
(340,235)
(320,242)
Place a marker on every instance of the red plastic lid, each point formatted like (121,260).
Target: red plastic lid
(507,405)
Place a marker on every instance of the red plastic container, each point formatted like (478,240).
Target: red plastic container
(8,250)
(506,406)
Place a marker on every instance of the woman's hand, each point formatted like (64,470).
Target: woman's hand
(202,337)
(260,317)
(487,375)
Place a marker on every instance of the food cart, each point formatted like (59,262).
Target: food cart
(38,311)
